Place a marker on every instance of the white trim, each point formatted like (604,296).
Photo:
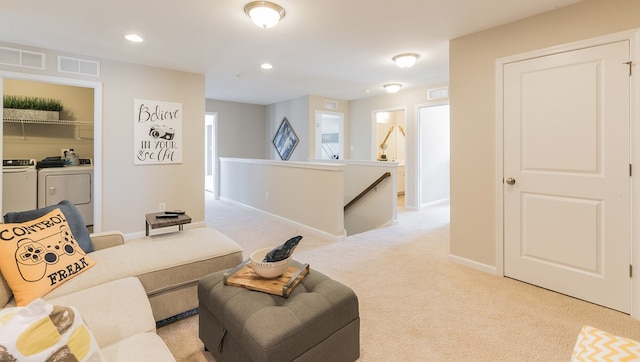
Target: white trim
(97,130)
(435,203)
(633,36)
(473,264)
(293,164)
(634,94)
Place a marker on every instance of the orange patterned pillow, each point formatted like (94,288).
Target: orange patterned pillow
(38,255)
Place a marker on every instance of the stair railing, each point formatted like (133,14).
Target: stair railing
(368,189)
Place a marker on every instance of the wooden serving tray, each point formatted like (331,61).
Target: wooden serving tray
(244,276)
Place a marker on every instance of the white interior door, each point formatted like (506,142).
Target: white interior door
(566,168)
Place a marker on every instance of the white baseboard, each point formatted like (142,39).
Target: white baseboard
(435,203)
(490,269)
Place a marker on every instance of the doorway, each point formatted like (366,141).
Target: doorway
(389,143)
(566,183)
(329,136)
(434,155)
(211,152)
(86,134)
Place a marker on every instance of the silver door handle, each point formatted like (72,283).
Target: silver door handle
(511,181)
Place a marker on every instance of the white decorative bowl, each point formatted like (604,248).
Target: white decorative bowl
(268,270)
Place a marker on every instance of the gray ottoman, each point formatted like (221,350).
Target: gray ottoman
(318,322)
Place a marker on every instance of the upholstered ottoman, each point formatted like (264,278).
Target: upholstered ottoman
(319,321)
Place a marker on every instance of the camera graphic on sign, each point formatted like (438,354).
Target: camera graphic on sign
(162,131)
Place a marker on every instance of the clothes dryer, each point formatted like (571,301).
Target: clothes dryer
(73,183)
(19,185)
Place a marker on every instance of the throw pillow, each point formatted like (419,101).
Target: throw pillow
(45,332)
(596,345)
(39,255)
(71,213)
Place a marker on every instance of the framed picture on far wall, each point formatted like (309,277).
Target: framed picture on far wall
(285,140)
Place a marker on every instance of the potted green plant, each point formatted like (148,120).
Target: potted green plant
(31,108)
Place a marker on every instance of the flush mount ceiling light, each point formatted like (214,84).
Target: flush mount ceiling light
(406,60)
(264,14)
(392,87)
(266,66)
(135,38)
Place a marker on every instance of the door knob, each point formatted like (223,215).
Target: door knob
(511,181)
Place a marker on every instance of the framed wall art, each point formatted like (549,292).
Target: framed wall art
(157,132)
(285,140)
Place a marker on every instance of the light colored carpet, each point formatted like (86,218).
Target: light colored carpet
(415,304)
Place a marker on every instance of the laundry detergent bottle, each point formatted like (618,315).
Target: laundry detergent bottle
(71,158)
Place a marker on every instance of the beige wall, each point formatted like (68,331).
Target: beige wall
(241,128)
(38,141)
(129,191)
(472,96)
(297,113)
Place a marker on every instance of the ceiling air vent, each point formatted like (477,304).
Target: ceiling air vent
(22,58)
(78,66)
(437,93)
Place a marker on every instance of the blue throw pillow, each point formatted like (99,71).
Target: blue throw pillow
(74,219)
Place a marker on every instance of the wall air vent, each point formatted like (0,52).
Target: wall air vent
(437,93)
(22,58)
(332,105)
(78,66)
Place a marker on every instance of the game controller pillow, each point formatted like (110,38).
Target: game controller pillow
(44,332)
(71,213)
(39,255)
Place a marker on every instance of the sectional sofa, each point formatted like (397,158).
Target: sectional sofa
(132,284)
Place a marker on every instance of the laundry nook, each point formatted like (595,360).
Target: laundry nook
(48,146)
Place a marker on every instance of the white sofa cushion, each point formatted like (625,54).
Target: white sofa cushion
(152,254)
(113,311)
(144,347)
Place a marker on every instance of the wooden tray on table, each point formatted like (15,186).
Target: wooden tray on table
(244,276)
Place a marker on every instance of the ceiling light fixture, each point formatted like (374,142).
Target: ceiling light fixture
(264,14)
(392,87)
(266,66)
(406,60)
(135,38)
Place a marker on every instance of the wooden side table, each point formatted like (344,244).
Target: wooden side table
(154,222)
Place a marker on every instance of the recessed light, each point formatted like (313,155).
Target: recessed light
(135,38)
(266,66)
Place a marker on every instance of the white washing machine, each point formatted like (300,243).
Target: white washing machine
(73,183)
(19,185)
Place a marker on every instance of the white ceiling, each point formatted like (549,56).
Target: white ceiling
(339,49)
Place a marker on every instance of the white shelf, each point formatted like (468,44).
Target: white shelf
(78,124)
(47,122)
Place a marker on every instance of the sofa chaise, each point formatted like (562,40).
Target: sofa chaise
(127,286)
